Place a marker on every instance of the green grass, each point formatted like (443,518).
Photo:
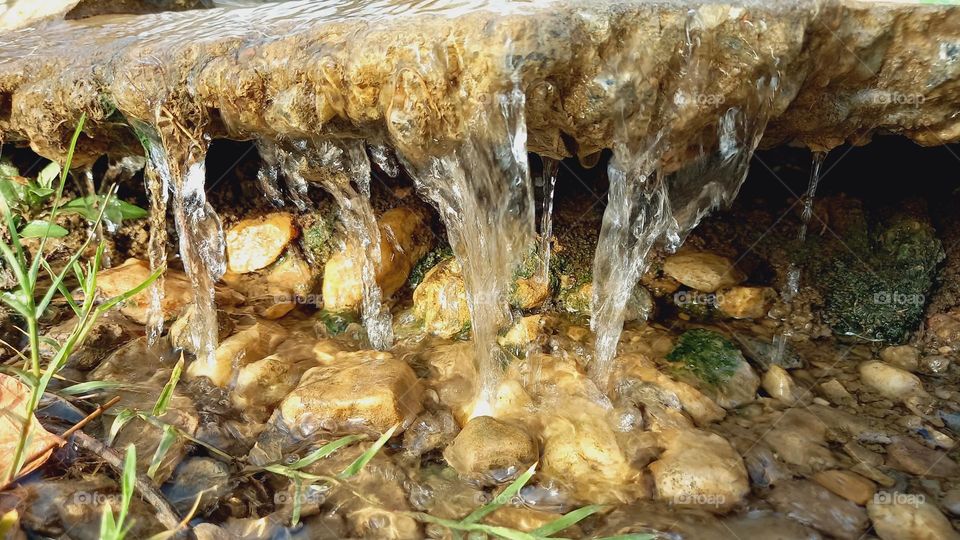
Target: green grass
(38,284)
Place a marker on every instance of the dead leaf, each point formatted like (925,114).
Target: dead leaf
(14,397)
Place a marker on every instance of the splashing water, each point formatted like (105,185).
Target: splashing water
(268,176)
(646,204)
(547,182)
(792,285)
(345,173)
(484,194)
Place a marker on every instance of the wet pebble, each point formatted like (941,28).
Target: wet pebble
(817,507)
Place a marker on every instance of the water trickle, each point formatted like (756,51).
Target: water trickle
(646,202)
(179,166)
(547,182)
(345,173)
(792,285)
(484,194)
(269,175)
(384,158)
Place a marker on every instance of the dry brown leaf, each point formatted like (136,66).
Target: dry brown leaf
(14,396)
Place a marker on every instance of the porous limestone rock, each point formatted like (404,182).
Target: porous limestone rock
(403,240)
(744,302)
(489,451)
(440,301)
(359,391)
(248,345)
(699,469)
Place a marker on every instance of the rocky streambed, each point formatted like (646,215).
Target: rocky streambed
(443,271)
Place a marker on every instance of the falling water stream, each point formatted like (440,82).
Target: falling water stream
(343,169)
(547,182)
(484,194)
(646,203)
(792,285)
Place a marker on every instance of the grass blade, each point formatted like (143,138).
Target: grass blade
(119,421)
(501,499)
(169,437)
(568,519)
(365,458)
(90,387)
(324,451)
(167,393)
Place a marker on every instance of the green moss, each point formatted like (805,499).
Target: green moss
(336,323)
(706,354)
(318,237)
(428,261)
(880,293)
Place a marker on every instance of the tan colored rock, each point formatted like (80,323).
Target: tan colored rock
(702,271)
(403,241)
(488,451)
(581,449)
(745,302)
(523,332)
(907,455)
(699,469)
(118,280)
(889,381)
(701,408)
(440,301)
(255,243)
(275,290)
(530,292)
(944,328)
(263,383)
(248,345)
(901,516)
(778,383)
(849,485)
(364,390)
(902,356)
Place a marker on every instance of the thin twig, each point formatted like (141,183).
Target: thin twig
(166,515)
(66,434)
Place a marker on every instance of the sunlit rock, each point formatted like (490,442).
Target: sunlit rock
(489,451)
(889,381)
(706,272)
(365,390)
(255,243)
(177,291)
(403,241)
(778,383)
(745,302)
(581,449)
(902,356)
(440,301)
(523,332)
(276,289)
(248,345)
(897,516)
(699,469)
(263,383)
(849,485)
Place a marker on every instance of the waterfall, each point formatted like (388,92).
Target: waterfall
(484,194)
(547,184)
(646,203)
